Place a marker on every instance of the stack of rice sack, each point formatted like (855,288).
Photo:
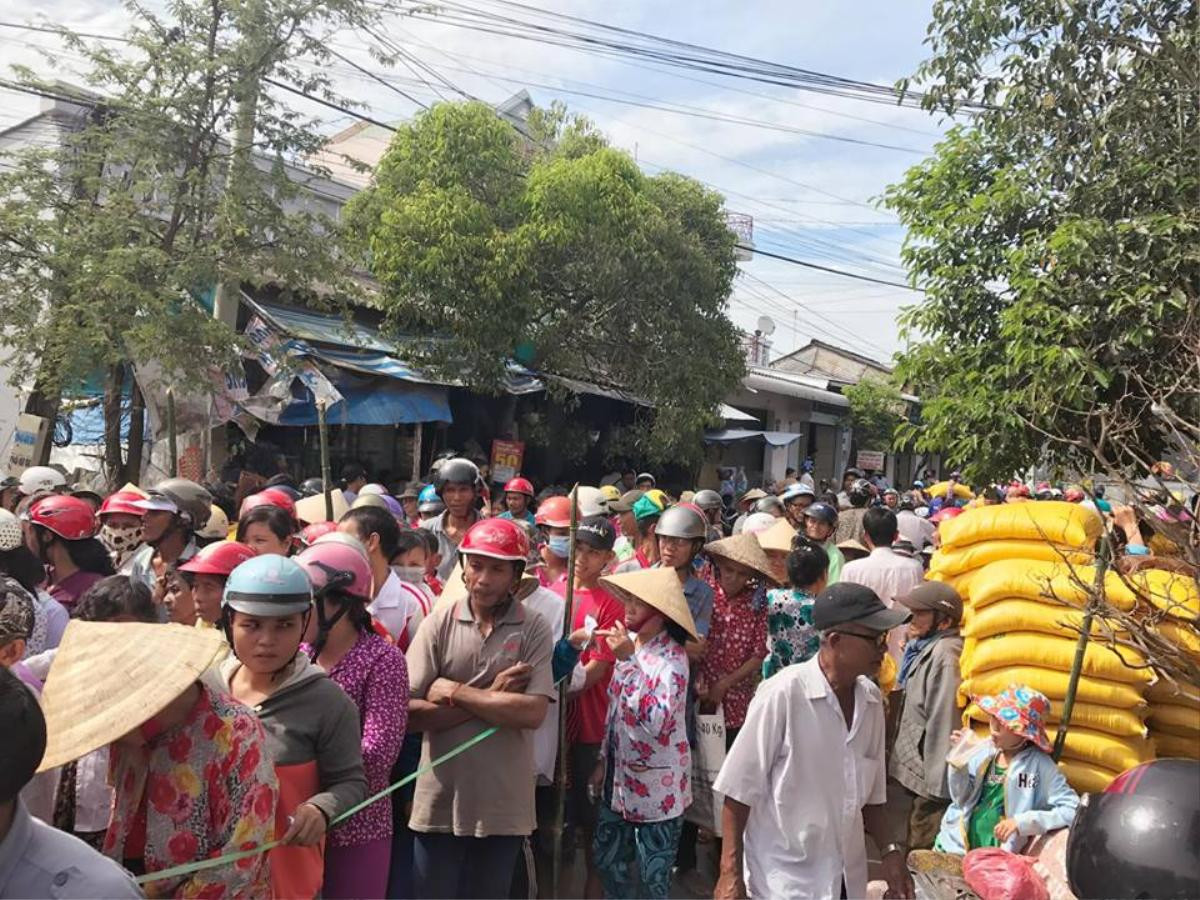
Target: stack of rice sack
(1174,706)
(1024,572)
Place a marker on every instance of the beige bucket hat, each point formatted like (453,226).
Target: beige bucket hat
(743,549)
(659,588)
(109,677)
(778,537)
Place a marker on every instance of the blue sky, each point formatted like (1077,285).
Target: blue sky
(811,197)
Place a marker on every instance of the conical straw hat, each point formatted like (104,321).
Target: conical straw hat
(109,677)
(659,588)
(312,509)
(778,537)
(743,549)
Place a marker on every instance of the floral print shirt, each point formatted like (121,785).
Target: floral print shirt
(738,633)
(646,744)
(791,637)
(206,787)
(375,676)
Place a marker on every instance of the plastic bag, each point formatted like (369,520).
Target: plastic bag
(996,874)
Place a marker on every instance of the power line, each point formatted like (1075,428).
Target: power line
(832,271)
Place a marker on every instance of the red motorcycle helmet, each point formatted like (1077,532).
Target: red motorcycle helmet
(555,512)
(122,502)
(269,497)
(946,512)
(219,558)
(309,534)
(519,486)
(68,517)
(496,538)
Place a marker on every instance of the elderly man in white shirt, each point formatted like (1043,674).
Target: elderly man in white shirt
(890,575)
(912,528)
(807,769)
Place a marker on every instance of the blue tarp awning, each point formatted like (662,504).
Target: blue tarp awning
(374,403)
(730,435)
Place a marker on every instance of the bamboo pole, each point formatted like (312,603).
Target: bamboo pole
(560,776)
(1094,603)
(172,445)
(326,481)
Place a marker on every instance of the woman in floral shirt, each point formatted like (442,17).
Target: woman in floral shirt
(374,674)
(643,777)
(791,637)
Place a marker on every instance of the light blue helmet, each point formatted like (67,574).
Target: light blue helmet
(428,501)
(268,585)
(796,490)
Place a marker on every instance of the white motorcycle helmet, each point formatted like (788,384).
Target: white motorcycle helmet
(41,478)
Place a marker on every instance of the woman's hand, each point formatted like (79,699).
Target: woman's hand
(307,827)
(618,640)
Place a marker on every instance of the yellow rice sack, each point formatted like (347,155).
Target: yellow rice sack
(1051,521)
(1167,745)
(1119,723)
(1052,683)
(1044,617)
(1025,648)
(1185,637)
(1104,750)
(1173,719)
(1086,778)
(1176,594)
(1164,691)
(960,582)
(961,491)
(1042,579)
(956,561)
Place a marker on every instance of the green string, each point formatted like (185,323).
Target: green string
(189,868)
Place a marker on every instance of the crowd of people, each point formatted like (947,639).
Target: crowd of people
(229,677)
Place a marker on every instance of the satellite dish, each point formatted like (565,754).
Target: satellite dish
(765,324)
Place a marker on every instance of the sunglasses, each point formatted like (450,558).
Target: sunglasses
(879,640)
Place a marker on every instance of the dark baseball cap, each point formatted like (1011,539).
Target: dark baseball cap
(935,595)
(597,532)
(626,501)
(846,603)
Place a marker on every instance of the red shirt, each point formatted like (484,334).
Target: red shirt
(589,710)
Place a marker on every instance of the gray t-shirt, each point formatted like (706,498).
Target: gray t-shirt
(446,547)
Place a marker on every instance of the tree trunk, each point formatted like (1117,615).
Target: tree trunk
(44,403)
(114,383)
(137,435)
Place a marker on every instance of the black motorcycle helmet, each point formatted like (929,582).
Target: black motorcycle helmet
(1141,837)
(310,487)
(822,512)
(860,492)
(457,471)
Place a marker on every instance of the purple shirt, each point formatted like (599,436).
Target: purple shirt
(70,589)
(375,676)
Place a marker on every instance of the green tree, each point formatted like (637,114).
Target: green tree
(1055,235)
(876,413)
(107,238)
(557,251)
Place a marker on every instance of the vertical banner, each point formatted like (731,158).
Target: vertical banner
(507,457)
(28,440)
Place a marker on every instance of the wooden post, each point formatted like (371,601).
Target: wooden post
(418,435)
(1089,613)
(172,446)
(326,481)
(560,777)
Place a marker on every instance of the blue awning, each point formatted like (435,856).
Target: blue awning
(373,402)
(730,435)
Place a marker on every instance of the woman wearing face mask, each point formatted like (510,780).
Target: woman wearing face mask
(59,530)
(554,519)
(120,525)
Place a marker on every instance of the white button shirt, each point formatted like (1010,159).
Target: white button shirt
(806,777)
(891,576)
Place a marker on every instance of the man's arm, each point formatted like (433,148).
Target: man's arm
(426,716)
(895,861)
(500,708)
(730,883)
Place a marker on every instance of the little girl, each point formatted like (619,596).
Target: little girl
(1009,789)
